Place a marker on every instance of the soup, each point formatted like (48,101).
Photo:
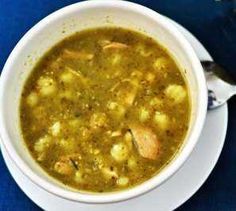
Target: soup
(104,110)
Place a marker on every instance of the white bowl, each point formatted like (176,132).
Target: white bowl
(59,25)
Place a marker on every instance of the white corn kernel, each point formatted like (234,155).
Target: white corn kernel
(42,144)
(132,163)
(144,114)
(67,77)
(55,129)
(176,92)
(119,152)
(78,177)
(150,77)
(32,99)
(108,173)
(46,85)
(156,102)
(161,63)
(122,181)
(161,120)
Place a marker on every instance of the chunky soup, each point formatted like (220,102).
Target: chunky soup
(104,110)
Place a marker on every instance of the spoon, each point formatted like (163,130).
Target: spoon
(221,85)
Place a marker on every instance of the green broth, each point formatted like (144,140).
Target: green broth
(105,109)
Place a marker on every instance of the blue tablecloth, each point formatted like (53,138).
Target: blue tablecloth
(212,22)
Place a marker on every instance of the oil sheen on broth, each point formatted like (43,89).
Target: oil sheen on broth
(104,110)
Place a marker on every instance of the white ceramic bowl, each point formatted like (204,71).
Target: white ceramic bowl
(63,23)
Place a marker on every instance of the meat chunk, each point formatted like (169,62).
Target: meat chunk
(115,45)
(70,54)
(63,167)
(146,141)
(67,165)
(76,74)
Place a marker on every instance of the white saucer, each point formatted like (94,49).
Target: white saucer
(171,194)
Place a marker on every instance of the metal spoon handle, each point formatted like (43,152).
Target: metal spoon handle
(221,85)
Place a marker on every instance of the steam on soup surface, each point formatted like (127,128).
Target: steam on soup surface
(104,110)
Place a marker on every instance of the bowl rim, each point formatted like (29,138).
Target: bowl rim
(144,187)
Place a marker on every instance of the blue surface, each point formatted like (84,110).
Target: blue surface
(212,22)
